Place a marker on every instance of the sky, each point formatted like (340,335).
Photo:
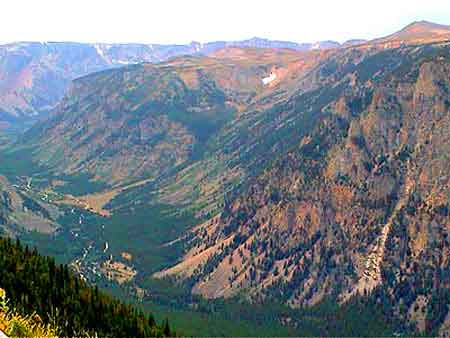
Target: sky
(178,21)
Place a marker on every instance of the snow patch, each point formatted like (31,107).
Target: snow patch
(16,46)
(199,47)
(13,48)
(123,62)
(269,78)
(100,52)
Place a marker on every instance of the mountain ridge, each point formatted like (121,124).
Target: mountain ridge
(35,75)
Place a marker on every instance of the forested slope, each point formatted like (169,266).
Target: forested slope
(34,283)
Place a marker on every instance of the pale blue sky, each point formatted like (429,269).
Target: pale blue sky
(178,21)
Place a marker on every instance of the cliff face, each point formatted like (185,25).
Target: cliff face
(360,204)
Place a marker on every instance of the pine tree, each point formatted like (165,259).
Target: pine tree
(36,284)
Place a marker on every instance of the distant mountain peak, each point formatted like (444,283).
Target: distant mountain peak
(423,24)
(423,27)
(417,32)
(256,38)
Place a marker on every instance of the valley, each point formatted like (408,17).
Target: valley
(248,190)
(96,202)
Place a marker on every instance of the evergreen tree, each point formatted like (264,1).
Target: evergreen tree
(37,284)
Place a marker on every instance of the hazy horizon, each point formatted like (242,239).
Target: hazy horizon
(178,22)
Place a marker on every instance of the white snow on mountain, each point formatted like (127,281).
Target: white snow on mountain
(100,53)
(269,78)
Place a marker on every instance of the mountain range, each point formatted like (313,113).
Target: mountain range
(35,76)
(288,175)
